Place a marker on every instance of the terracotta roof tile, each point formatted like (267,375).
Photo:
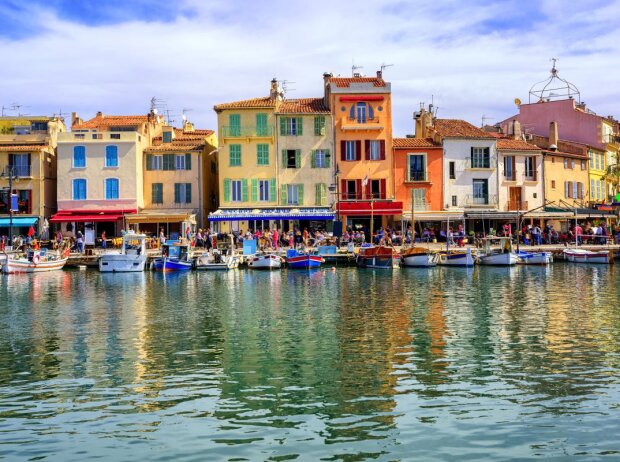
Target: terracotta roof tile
(345,82)
(265,102)
(456,128)
(104,122)
(414,143)
(182,141)
(516,145)
(303,106)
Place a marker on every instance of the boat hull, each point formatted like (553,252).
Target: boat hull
(111,263)
(499,259)
(265,262)
(422,260)
(304,262)
(24,266)
(228,264)
(461,259)
(535,258)
(165,265)
(585,256)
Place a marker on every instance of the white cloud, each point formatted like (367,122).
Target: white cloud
(230,50)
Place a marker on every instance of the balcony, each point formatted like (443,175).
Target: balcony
(612,138)
(486,201)
(512,177)
(530,176)
(480,164)
(515,205)
(361,124)
(250,131)
(417,176)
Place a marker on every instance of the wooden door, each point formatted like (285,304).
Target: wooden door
(515,199)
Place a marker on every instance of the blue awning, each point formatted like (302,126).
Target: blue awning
(18,221)
(298,213)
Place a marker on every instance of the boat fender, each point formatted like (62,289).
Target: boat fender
(36,259)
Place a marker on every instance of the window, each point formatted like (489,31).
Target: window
(583,165)
(452,170)
(115,136)
(111,156)
(480,158)
(291,158)
(235,190)
(593,188)
(374,150)
(157,193)
(352,189)
(262,154)
(481,191)
(295,194)
(234,155)
(291,126)
(320,158)
(179,162)
(20,164)
(319,125)
(552,184)
(79,156)
(417,167)
(573,190)
(454,201)
(376,189)
(351,153)
(509,168)
(158,162)
(234,122)
(591,158)
(321,194)
(566,163)
(599,192)
(168,162)
(530,167)
(167,137)
(79,189)
(182,193)
(111,188)
(361,112)
(263,190)
(261,125)
(418,196)
(572,164)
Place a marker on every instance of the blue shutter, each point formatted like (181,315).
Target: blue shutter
(188,193)
(177,193)
(188,161)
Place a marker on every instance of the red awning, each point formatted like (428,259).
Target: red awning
(88,216)
(368,208)
(361,98)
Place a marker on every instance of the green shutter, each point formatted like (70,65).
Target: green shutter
(188,161)
(244,190)
(188,193)
(261,124)
(149,161)
(317,193)
(272,190)
(327,157)
(297,158)
(168,162)
(234,120)
(154,193)
(283,194)
(300,126)
(319,125)
(284,159)
(254,190)
(282,126)
(313,157)
(177,193)
(226,190)
(300,194)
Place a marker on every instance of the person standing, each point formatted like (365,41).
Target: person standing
(162,237)
(276,238)
(80,242)
(104,244)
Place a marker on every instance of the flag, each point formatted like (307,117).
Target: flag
(31,232)
(365,181)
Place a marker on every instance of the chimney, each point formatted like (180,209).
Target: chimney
(516,129)
(75,119)
(379,74)
(99,114)
(326,89)
(275,92)
(553,134)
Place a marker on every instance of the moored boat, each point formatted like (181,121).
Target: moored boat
(302,260)
(534,258)
(35,261)
(588,256)
(131,258)
(502,256)
(376,257)
(456,258)
(267,261)
(175,256)
(214,260)
(418,257)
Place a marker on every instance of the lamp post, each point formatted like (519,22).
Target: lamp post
(10,174)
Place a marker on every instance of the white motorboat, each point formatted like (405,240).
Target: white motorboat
(588,256)
(268,261)
(534,258)
(131,258)
(214,260)
(502,256)
(35,261)
(418,257)
(456,258)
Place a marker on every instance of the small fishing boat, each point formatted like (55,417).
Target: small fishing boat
(296,259)
(502,256)
(35,261)
(376,257)
(214,260)
(463,258)
(267,261)
(418,257)
(534,258)
(131,258)
(588,256)
(175,256)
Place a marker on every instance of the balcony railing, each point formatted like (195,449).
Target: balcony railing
(530,176)
(516,205)
(612,138)
(417,176)
(354,196)
(485,201)
(250,131)
(479,164)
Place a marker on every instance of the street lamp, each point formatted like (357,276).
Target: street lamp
(10,174)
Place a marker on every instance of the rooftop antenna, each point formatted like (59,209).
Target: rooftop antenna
(285,86)
(60,114)
(484,120)
(183,116)
(384,66)
(16,107)
(354,69)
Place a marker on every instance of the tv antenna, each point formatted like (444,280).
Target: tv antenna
(354,69)
(60,114)
(183,116)
(484,120)
(385,66)
(285,86)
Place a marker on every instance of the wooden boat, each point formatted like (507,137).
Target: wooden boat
(416,256)
(302,260)
(131,258)
(456,258)
(35,261)
(504,256)
(214,260)
(588,256)
(175,256)
(376,257)
(268,262)
(534,258)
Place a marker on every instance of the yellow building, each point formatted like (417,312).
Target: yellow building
(28,156)
(180,181)
(597,168)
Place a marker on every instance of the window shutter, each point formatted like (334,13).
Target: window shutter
(300,126)
(513,159)
(343,150)
(358,189)
(226,190)
(352,112)
(300,194)
(272,190)
(383,192)
(282,126)
(317,192)
(188,161)
(297,158)
(343,189)
(327,157)
(566,189)
(382,149)
(283,194)
(367,149)
(188,193)
(366,191)
(149,161)
(154,193)
(323,194)
(284,159)
(244,190)
(177,193)
(317,126)
(579,190)
(358,150)
(313,158)
(254,190)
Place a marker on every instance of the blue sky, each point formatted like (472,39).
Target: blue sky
(472,58)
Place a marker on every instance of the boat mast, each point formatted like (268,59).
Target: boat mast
(412,217)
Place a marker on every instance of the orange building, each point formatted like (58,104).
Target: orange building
(418,176)
(361,109)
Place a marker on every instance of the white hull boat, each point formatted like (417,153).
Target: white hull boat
(421,258)
(132,257)
(217,261)
(35,262)
(588,256)
(535,258)
(269,261)
(455,258)
(499,259)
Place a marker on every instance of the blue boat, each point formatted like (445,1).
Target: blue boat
(302,260)
(175,256)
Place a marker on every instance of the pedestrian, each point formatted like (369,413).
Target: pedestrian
(162,237)
(80,242)
(104,244)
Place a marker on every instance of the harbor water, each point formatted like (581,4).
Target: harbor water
(413,364)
